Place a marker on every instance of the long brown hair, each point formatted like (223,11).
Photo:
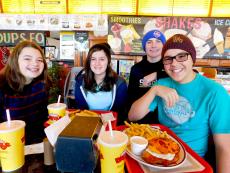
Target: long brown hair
(12,74)
(110,77)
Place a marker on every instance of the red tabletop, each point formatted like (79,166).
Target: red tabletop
(133,166)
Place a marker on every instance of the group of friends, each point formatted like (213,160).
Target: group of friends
(163,88)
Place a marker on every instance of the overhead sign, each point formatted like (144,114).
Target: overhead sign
(54,22)
(19,6)
(50,6)
(11,38)
(210,36)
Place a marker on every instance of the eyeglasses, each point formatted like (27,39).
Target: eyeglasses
(179,58)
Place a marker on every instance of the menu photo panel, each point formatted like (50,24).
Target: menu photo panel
(210,36)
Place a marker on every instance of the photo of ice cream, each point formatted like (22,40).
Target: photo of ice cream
(203,32)
(127,36)
(152,24)
(135,33)
(116,28)
(170,32)
(115,43)
(218,40)
(201,46)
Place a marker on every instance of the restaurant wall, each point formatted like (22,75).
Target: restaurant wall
(124,33)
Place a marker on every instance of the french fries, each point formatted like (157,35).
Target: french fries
(144,130)
(87,113)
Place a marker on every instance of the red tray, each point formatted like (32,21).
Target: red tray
(114,123)
(133,166)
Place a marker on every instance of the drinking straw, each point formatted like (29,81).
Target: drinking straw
(8,117)
(110,128)
(59,98)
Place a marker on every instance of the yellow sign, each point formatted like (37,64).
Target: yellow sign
(122,7)
(220,8)
(84,6)
(19,6)
(50,6)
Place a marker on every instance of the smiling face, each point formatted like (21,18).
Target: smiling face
(30,63)
(181,72)
(99,63)
(153,50)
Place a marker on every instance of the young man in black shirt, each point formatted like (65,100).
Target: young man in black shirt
(144,73)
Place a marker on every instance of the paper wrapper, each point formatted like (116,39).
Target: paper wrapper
(56,128)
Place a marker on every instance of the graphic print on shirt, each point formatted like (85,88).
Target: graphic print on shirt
(141,81)
(181,112)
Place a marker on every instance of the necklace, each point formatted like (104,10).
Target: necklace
(98,87)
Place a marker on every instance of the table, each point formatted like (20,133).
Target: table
(35,164)
(133,166)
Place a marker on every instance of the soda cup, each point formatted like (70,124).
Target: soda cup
(12,142)
(112,151)
(56,111)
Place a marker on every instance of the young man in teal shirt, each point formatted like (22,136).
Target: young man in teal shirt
(191,105)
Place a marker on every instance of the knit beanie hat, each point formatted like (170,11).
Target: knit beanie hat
(153,34)
(179,41)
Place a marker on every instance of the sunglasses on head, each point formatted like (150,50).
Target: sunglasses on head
(180,57)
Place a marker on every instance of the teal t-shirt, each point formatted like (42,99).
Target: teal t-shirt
(203,108)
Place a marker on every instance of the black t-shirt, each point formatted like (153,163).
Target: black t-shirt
(135,90)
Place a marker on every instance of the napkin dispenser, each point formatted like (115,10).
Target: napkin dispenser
(75,149)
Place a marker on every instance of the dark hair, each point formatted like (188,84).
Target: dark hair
(12,74)
(107,45)
(110,77)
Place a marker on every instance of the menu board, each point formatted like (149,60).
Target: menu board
(23,22)
(174,8)
(54,22)
(147,7)
(220,8)
(186,8)
(123,7)
(210,36)
(19,6)
(84,6)
(50,6)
